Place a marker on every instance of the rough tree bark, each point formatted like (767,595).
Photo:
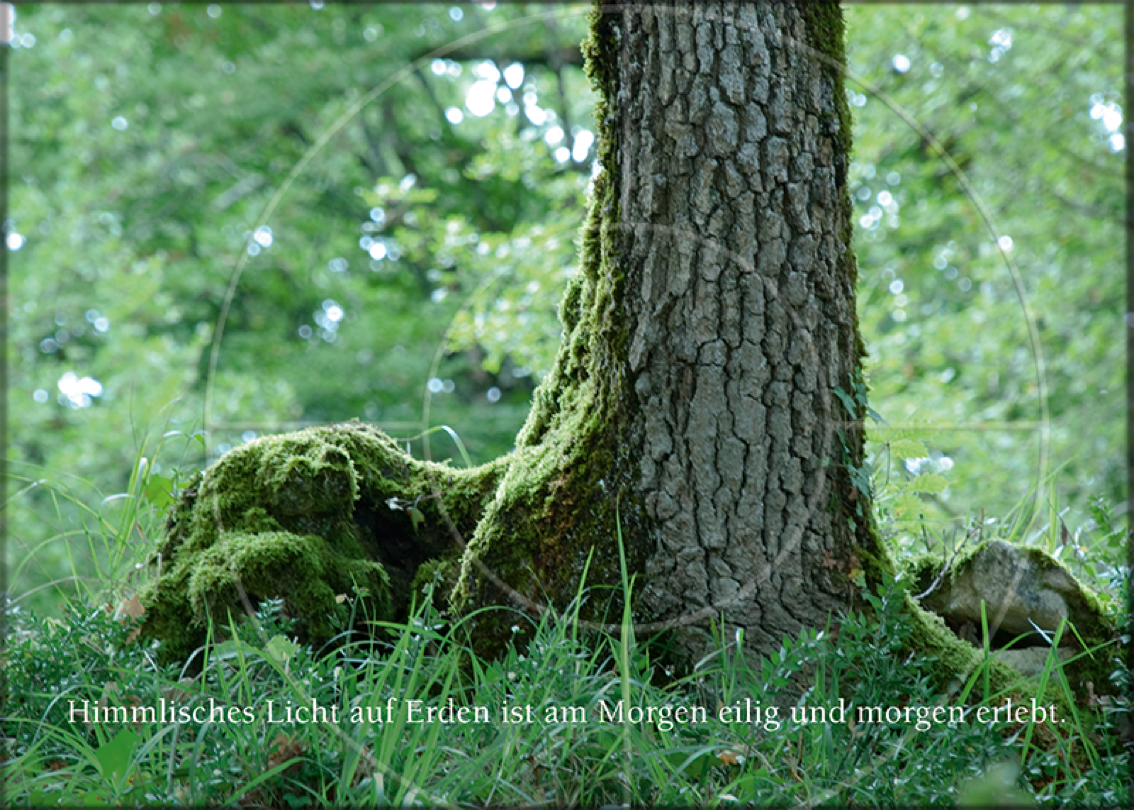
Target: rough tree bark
(736,224)
(705,405)
(710,325)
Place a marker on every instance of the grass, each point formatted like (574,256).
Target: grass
(361,753)
(573,718)
(96,550)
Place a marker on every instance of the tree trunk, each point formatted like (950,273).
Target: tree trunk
(733,175)
(708,329)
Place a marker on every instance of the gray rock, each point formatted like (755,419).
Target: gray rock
(1030,660)
(1019,587)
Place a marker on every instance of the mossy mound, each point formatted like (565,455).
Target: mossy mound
(1026,595)
(308,517)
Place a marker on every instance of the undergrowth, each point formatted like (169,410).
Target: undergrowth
(566,740)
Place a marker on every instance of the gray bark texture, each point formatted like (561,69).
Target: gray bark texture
(734,228)
(710,324)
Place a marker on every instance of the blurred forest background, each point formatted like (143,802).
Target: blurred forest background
(242,219)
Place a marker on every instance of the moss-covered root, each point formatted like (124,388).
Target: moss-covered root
(957,662)
(309,517)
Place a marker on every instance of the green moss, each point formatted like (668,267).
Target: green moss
(826,33)
(571,474)
(441,574)
(307,517)
(956,659)
(304,567)
(1091,601)
(923,568)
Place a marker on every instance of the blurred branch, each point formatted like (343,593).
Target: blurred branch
(556,63)
(247,185)
(1094,212)
(401,148)
(372,159)
(506,54)
(432,96)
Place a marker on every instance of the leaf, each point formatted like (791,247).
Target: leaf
(908,448)
(159,491)
(692,766)
(417,516)
(731,757)
(281,648)
(860,477)
(848,403)
(877,417)
(114,755)
(129,608)
(286,748)
(41,798)
(175,694)
(928,482)
(908,507)
(132,608)
(232,648)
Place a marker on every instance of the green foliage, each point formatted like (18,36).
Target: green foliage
(1022,100)
(152,143)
